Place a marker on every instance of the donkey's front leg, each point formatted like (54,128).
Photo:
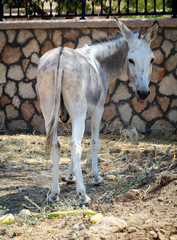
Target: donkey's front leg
(55,155)
(95,124)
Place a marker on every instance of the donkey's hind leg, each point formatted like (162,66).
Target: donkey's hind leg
(95,124)
(55,155)
(78,126)
(46,104)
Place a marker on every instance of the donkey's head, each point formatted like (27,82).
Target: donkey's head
(139,58)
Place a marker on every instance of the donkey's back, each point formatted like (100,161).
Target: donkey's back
(79,80)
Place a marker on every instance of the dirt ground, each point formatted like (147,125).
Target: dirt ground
(140,187)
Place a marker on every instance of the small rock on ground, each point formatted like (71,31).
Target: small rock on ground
(108,225)
(110,177)
(24,213)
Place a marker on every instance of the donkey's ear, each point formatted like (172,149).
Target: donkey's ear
(151,33)
(127,34)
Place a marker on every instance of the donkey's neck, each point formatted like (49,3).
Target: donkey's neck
(111,55)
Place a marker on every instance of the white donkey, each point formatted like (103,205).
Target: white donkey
(76,81)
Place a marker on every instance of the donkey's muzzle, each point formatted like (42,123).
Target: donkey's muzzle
(142,95)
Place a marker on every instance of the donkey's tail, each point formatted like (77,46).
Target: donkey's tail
(52,126)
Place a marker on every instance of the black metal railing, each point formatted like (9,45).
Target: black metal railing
(85,8)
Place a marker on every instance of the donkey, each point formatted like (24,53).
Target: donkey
(76,81)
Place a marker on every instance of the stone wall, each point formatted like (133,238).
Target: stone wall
(22,43)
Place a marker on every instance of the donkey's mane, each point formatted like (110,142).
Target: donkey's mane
(111,38)
(106,40)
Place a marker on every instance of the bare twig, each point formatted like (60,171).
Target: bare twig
(102,210)
(26,206)
(174,157)
(33,203)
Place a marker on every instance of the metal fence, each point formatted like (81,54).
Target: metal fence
(85,8)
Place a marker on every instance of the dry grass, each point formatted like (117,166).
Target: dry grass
(26,171)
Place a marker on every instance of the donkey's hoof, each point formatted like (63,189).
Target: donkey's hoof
(70,180)
(53,199)
(97,181)
(85,200)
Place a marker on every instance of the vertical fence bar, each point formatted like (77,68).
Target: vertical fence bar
(127,6)
(59,8)
(164,9)
(119,7)
(18,10)
(155,6)
(136,6)
(26,9)
(101,12)
(75,10)
(110,6)
(83,9)
(174,8)
(10,8)
(145,9)
(50,9)
(67,7)
(42,6)
(34,5)
(1,10)
(93,8)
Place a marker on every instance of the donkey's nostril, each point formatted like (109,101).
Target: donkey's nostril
(143,94)
(138,92)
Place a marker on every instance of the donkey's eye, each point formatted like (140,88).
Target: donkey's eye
(131,61)
(152,60)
